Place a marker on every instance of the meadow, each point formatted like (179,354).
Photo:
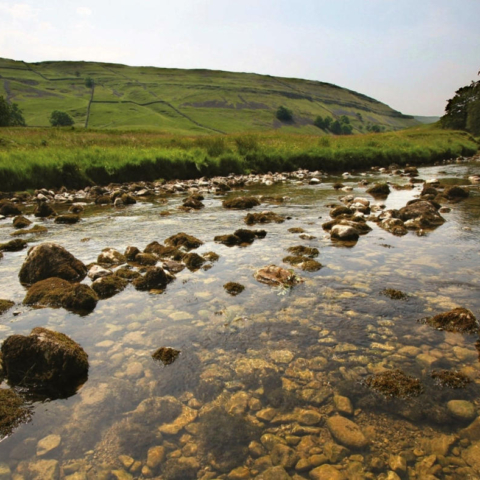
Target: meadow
(47,157)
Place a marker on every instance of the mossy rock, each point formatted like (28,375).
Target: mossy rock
(341,210)
(51,260)
(43,210)
(263,217)
(58,293)
(458,320)
(193,261)
(13,245)
(379,190)
(163,251)
(394,294)
(241,203)
(8,208)
(166,355)
(103,200)
(450,378)
(45,361)
(5,305)
(456,193)
(301,250)
(127,199)
(131,253)
(110,256)
(229,240)
(395,383)
(155,278)
(21,222)
(277,276)
(67,219)
(146,259)
(338,186)
(107,287)
(127,274)
(310,265)
(234,288)
(76,209)
(245,235)
(211,256)
(184,240)
(296,230)
(13,411)
(194,203)
(34,230)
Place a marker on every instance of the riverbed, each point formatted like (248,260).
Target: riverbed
(260,373)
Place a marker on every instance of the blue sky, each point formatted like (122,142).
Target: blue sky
(412,55)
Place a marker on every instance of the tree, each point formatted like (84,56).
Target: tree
(463,110)
(284,114)
(10,114)
(61,119)
(323,123)
(89,82)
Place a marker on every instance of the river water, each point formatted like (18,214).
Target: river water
(249,364)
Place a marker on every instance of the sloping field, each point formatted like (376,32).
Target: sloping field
(183,101)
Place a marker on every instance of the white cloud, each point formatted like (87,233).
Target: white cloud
(84,11)
(18,11)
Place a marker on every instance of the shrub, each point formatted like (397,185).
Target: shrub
(61,119)
(284,114)
(10,115)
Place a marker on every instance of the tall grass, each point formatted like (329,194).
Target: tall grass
(35,158)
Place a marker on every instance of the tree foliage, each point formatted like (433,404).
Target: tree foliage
(10,114)
(284,114)
(61,119)
(89,82)
(323,123)
(463,110)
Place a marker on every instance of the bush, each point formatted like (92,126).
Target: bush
(89,82)
(61,119)
(10,115)
(284,114)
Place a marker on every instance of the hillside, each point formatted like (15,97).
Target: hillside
(183,101)
(426,120)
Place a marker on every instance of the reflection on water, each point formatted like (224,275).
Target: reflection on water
(259,374)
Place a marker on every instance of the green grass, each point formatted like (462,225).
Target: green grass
(183,101)
(45,157)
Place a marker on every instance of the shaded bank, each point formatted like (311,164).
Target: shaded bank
(39,158)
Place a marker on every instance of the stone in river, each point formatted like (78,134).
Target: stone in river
(326,472)
(462,409)
(346,432)
(47,444)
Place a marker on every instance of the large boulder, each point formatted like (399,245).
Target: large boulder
(45,361)
(155,278)
(43,210)
(58,293)
(423,212)
(184,240)
(108,286)
(344,233)
(51,260)
(8,208)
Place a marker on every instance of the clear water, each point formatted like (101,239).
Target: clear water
(233,348)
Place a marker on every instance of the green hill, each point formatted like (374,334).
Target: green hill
(183,101)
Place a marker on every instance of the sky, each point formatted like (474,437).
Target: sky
(410,54)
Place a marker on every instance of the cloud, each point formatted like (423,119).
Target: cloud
(84,11)
(18,11)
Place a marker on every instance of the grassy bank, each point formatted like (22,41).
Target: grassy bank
(35,158)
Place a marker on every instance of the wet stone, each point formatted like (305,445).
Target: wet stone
(458,320)
(47,444)
(284,456)
(166,355)
(395,383)
(343,405)
(462,409)
(326,472)
(346,432)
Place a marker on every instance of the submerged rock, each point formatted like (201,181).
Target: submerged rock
(181,239)
(34,229)
(394,294)
(234,288)
(51,260)
(193,261)
(13,411)
(44,361)
(276,276)
(346,432)
(263,217)
(13,245)
(458,320)
(303,251)
(241,236)
(451,379)
(166,355)
(394,383)
(58,293)
(456,193)
(241,203)
(108,286)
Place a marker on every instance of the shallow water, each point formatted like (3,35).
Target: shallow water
(263,348)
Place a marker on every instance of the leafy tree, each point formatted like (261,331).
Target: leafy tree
(61,119)
(323,123)
(89,82)
(284,114)
(463,110)
(10,114)
(347,129)
(336,127)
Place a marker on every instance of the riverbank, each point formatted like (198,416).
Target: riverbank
(49,158)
